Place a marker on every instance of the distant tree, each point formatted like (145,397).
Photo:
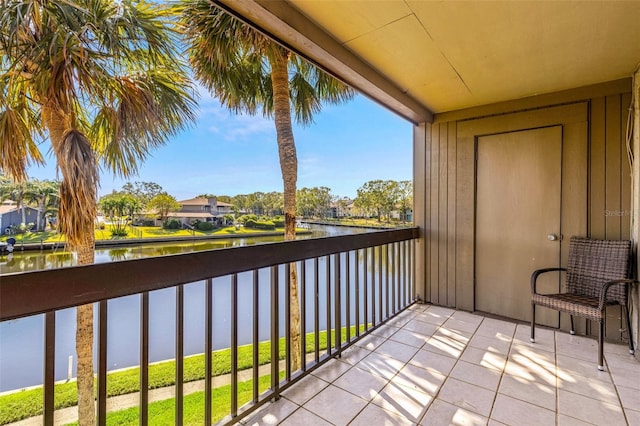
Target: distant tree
(14,191)
(314,201)
(404,196)
(143,191)
(119,207)
(45,195)
(379,196)
(162,204)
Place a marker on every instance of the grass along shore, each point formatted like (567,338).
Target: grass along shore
(27,403)
(145,232)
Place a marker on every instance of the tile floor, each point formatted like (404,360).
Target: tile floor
(437,366)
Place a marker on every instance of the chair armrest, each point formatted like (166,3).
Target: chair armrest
(605,288)
(537,273)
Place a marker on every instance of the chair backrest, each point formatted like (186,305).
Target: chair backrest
(593,262)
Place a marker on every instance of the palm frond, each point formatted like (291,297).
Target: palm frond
(78,190)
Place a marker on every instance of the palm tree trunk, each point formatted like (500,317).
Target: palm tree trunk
(77,215)
(289,168)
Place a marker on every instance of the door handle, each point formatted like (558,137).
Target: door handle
(554,237)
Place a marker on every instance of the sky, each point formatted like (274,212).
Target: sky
(227,154)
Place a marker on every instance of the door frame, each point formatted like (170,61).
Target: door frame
(575,136)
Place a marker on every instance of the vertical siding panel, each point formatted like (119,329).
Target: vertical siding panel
(597,170)
(442,207)
(427,211)
(435,198)
(451,214)
(626,171)
(420,171)
(613,206)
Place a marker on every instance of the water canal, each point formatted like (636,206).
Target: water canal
(22,341)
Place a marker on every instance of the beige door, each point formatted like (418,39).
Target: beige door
(518,214)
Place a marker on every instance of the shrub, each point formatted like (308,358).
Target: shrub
(205,226)
(259,224)
(278,221)
(119,232)
(171,224)
(247,217)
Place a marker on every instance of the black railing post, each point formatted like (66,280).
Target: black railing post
(208,348)
(179,354)
(102,363)
(275,335)
(337,303)
(256,337)
(49,367)
(144,359)
(234,345)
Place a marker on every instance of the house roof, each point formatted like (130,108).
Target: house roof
(196,215)
(223,204)
(198,201)
(8,208)
(419,58)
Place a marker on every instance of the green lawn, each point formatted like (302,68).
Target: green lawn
(138,232)
(28,403)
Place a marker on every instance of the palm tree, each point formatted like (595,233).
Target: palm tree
(44,194)
(101,80)
(250,73)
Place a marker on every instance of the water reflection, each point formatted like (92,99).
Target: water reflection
(21,341)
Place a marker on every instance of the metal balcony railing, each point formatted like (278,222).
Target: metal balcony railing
(348,285)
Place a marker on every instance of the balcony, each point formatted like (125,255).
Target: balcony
(348,286)
(395,361)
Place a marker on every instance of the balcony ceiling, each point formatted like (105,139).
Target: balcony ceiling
(452,55)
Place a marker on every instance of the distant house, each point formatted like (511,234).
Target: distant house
(341,208)
(11,215)
(201,209)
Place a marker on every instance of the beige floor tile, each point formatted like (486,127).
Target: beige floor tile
(373,415)
(465,326)
(421,327)
(570,421)
(496,343)
(445,344)
(361,383)
(487,378)
(381,365)
(411,376)
(536,367)
(442,413)
(354,354)
(370,342)
(433,317)
(512,411)
(467,396)
(272,414)
(331,370)
(589,410)
(439,311)
(491,327)
(385,331)
(536,393)
(578,347)
(621,363)
(633,417)
(326,405)
(305,389)
(617,349)
(630,398)
(484,358)
(406,402)
(433,361)
(397,350)
(400,321)
(411,338)
(545,339)
(629,379)
(304,417)
(569,367)
(596,389)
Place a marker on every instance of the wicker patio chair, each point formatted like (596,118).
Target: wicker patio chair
(598,275)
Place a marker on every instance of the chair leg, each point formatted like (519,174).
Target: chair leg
(625,309)
(573,329)
(533,323)
(601,345)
